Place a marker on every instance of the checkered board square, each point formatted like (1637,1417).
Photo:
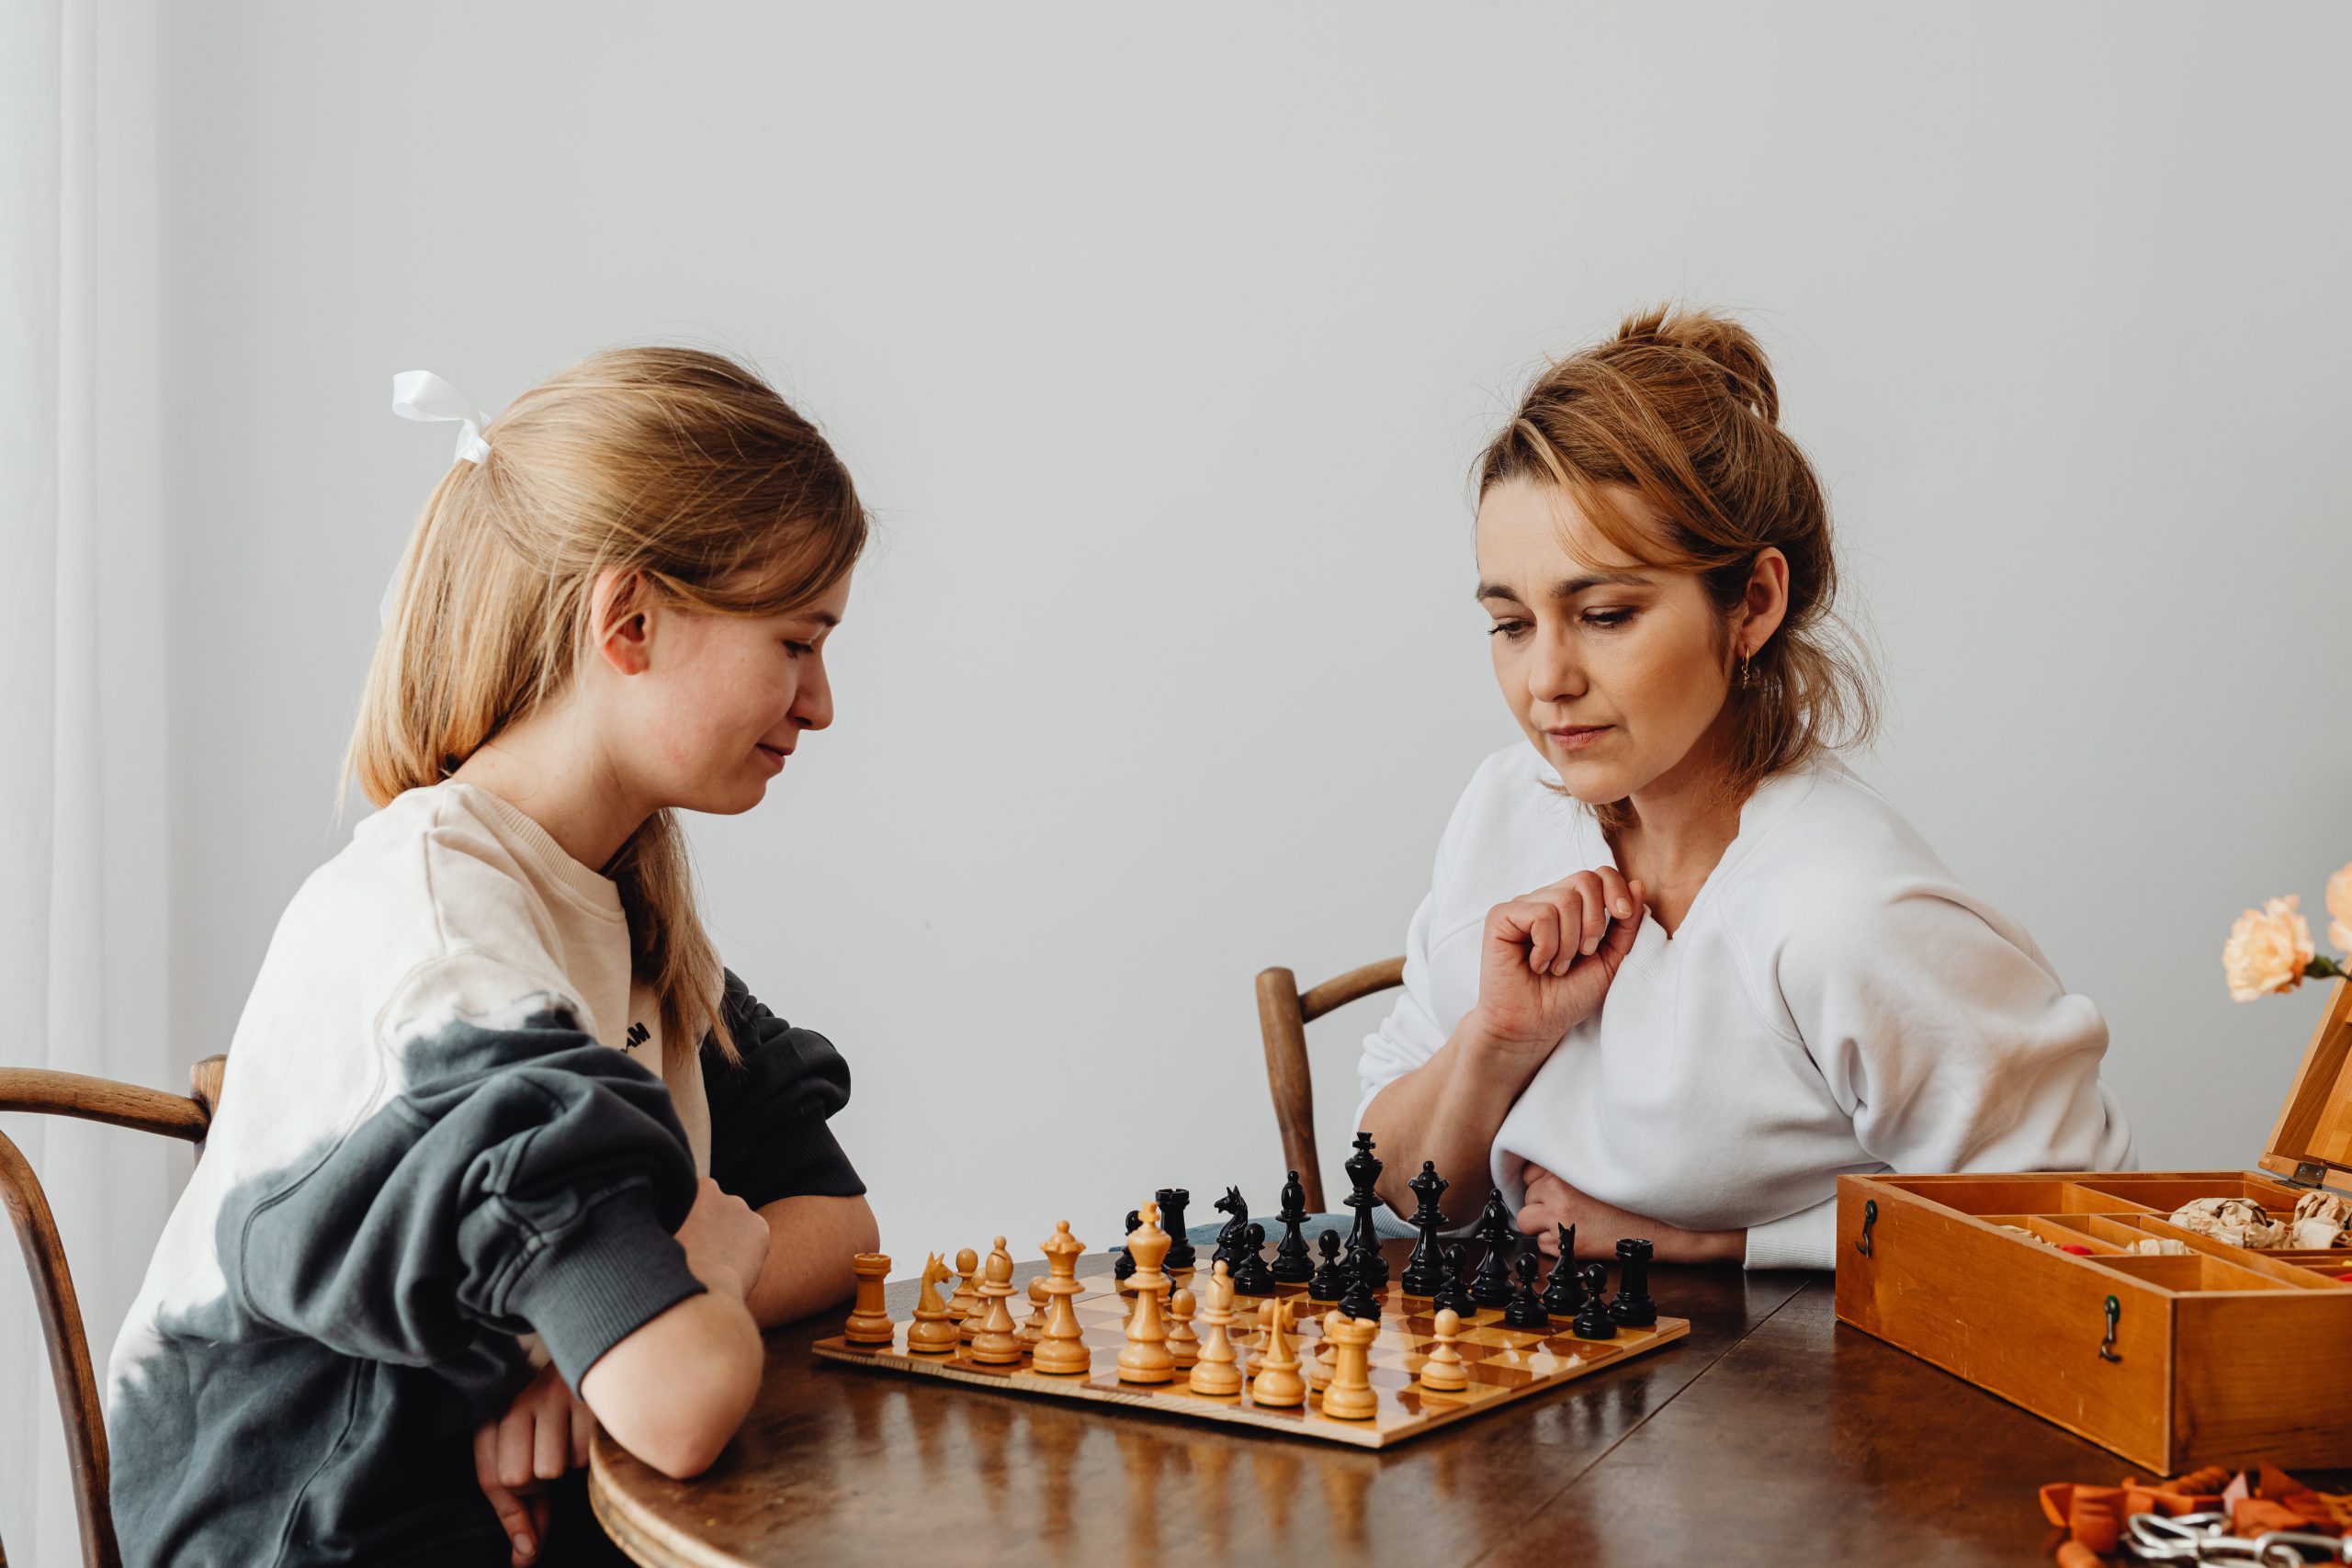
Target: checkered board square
(1503,1364)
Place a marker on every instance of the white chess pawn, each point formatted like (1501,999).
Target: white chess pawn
(964,1306)
(1278,1383)
(1441,1371)
(1318,1360)
(1184,1345)
(1034,1330)
(1214,1374)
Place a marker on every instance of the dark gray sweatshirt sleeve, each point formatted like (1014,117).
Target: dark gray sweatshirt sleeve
(768,1136)
(524,1177)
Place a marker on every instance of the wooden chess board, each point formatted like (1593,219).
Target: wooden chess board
(1503,1364)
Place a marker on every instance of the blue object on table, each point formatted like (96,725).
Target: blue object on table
(1387,1223)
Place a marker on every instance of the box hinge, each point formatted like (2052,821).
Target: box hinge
(2308,1173)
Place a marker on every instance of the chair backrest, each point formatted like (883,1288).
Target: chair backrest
(41,1092)
(1284,1013)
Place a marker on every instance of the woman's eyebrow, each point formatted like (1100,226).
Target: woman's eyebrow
(1568,589)
(1575,585)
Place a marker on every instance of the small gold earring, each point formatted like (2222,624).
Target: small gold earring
(1747,672)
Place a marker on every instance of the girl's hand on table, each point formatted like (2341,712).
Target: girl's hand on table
(1548,957)
(1551,1202)
(543,1434)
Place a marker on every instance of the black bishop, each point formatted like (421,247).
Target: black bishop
(1492,1287)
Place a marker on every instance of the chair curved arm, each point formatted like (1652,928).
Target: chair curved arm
(45,1092)
(1354,985)
(69,1348)
(41,1091)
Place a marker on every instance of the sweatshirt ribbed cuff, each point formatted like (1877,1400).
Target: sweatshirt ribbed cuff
(601,1280)
(1807,1239)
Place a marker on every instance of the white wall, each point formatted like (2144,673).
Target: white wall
(1161,339)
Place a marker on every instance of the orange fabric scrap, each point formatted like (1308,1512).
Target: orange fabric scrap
(2261,1498)
(2255,1515)
(2095,1516)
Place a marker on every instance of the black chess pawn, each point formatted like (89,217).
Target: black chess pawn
(1171,1201)
(1228,1239)
(1593,1321)
(1360,1299)
(1526,1309)
(1632,1306)
(1422,1273)
(1328,1283)
(1126,1266)
(1492,1287)
(1291,1265)
(1253,1278)
(1363,1172)
(1454,1294)
(1565,1294)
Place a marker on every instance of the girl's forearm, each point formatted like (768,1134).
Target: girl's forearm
(1446,1112)
(811,1241)
(673,1391)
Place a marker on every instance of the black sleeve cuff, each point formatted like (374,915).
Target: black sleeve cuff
(600,1281)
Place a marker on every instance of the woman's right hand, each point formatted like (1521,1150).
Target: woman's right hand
(1548,957)
(726,1242)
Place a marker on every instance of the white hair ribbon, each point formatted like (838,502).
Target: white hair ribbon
(420,394)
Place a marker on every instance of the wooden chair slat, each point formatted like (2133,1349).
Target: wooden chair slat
(1283,1016)
(1280,1020)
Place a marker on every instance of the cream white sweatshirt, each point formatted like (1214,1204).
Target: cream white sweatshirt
(1832,1002)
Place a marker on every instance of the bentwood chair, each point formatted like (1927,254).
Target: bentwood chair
(1284,1013)
(187,1117)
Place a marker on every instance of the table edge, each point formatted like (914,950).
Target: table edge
(641,1536)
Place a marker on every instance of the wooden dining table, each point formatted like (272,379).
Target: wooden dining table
(1770,1435)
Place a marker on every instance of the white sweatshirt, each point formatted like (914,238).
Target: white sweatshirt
(450,1142)
(1832,1002)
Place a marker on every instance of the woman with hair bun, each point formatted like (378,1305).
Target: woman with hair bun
(1679,967)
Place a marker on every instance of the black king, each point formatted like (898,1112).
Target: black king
(1364,1242)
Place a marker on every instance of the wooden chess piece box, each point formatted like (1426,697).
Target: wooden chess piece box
(2073,1294)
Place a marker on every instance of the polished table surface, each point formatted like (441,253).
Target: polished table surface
(1770,1435)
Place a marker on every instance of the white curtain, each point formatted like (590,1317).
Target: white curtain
(82,884)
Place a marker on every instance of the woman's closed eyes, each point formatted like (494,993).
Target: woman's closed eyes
(1514,630)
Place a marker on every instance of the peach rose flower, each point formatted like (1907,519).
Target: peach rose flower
(2339,906)
(2268,950)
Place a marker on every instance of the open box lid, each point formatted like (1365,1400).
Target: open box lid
(2312,1138)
